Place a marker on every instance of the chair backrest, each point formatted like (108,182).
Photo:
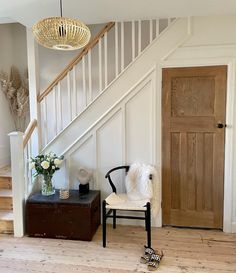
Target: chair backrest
(108,175)
(138,180)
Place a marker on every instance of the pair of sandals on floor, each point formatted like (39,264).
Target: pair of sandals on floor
(151,257)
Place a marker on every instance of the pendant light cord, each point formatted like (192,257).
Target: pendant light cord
(61,7)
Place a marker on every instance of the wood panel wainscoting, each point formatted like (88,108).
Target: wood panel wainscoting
(185,251)
(193,135)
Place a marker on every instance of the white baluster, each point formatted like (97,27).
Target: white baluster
(69,95)
(116,50)
(157,28)
(90,77)
(151,31)
(59,103)
(26,173)
(27,161)
(122,45)
(44,102)
(75,112)
(84,83)
(133,40)
(105,58)
(169,21)
(100,64)
(139,36)
(54,105)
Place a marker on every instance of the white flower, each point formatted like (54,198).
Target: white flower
(53,167)
(45,165)
(57,162)
(32,165)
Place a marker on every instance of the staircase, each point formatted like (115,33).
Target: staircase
(6,213)
(101,111)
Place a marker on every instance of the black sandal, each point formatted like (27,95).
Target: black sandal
(145,258)
(147,255)
(149,250)
(155,260)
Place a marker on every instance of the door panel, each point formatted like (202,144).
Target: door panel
(193,104)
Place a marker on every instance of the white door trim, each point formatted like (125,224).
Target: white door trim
(230,121)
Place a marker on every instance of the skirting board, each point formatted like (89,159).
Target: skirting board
(233,227)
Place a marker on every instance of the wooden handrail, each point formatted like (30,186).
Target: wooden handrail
(29,130)
(75,61)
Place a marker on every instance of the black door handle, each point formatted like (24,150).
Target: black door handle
(221,125)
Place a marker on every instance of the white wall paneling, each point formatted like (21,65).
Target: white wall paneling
(109,151)
(104,146)
(139,126)
(81,156)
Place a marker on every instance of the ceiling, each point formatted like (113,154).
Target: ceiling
(27,12)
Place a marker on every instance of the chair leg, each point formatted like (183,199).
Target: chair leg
(146,224)
(148,221)
(114,218)
(104,218)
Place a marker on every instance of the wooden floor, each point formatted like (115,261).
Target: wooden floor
(185,250)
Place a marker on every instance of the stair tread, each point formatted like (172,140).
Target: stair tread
(5,193)
(6,215)
(5,171)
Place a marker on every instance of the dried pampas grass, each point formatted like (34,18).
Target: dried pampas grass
(16,90)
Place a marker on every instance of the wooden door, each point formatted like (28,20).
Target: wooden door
(193,107)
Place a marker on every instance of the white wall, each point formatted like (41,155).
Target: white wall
(12,52)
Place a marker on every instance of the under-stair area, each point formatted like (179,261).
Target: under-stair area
(103,99)
(6,207)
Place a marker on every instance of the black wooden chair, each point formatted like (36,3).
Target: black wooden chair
(115,202)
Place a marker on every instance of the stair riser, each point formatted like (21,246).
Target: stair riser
(5,183)
(6,227)
(6,203)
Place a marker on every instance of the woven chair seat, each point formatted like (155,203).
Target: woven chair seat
(122,202)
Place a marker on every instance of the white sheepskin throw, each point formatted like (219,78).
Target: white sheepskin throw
(139,185)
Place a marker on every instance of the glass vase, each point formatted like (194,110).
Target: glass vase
(47,186)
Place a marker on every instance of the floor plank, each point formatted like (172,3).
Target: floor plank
(185,250)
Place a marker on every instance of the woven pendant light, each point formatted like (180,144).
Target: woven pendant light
(61,33)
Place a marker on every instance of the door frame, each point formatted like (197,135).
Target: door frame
(228,225)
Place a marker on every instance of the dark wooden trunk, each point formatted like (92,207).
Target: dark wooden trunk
(75,218)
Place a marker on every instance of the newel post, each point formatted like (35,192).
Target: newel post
(18,182)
